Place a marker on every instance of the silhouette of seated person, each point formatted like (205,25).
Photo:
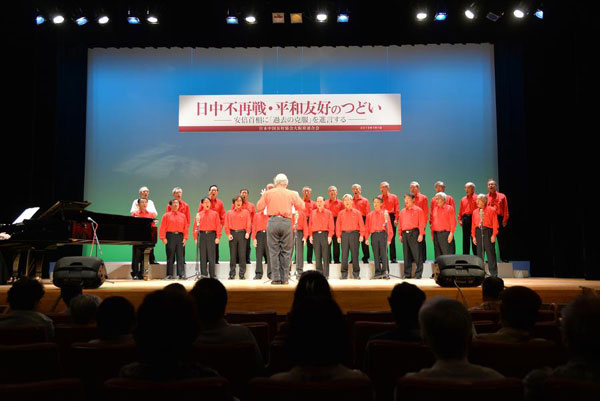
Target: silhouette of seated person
(115,319)
(23,299)
(317,343)
(167,325)
(491,288)
(84,309)
(447,330)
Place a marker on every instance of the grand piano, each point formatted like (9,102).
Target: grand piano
(69,223)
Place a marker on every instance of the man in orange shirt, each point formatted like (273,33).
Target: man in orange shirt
(439,186)
(350,231)
(217,205)
(465,217)
(411,224)
(443,224)
(183,208)
(392,205)
(238,228)
(207,232)
(174,228)
(137,260)
(498,201)
(309,207)
(249,206)
(334,205)
(259,239)
(300,225)
(379,228)
(362,205)
(423,203)
(484,231)
(321,229)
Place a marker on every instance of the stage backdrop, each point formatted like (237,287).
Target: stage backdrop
(448,124)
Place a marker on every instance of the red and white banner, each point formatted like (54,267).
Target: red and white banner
(234,113)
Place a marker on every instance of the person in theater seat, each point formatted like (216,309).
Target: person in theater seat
(350,232)
(23,298)
(378,230)
(320,232)
(484,231)
(491,288)
(174,233)
(498,201)
(115,319)
(468,204)
(137,257)
(422,202)
(84,309)
(217,205)
(364,207)
(443,224)
(238,227)
(207,232)
(411,229)
(392,205)
(334,205)
(447,330)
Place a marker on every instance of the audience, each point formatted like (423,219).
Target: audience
(115,319)
(318,343)
(491,288)
(581,331)
(519,308)
(84,308)
(178,287)
(405,301)
(23,298)
(447,330)
(311,284)
(67,293)
(211,300)
(167,325)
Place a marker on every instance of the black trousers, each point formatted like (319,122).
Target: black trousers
(237,249)
(174,249)
(467,220)
(393,243)
(365,247)
(309,252)
(484,243)
(440,243)
(350,241)
(423,250)
(137,261)
(412,250)
(380,257)
(321,247)
(206,242)
(217,253)
(335,246)
(261,251)
(299,250)
(501,238)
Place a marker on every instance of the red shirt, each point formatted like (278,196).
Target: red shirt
(237,220)
(249,206)
(302,223)
(391,203)
(259,223)
(174,222)
(411,218)
(321,221)
(278,202)
(183,208)
(362,204)
(489,220)
(422,202)
(498,201)
(349,220)
(443,219)
(217,206)
(146,214)
(467,205)
(377,221)
(334,206)
(207,220)
(449,201)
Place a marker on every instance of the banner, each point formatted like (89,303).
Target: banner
(321,112)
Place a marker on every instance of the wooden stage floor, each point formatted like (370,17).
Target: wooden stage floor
(362,295)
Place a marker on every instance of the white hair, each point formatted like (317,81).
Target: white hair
(347,196)
(144,189)
(440,183)
(320,197)
(470,184)
(357,186)
(482,197)
(176,189)
(332,187)
(384,183)
(415,183)
(280,179)
(441,195)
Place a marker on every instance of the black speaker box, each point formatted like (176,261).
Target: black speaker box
(459,270)
(85,271)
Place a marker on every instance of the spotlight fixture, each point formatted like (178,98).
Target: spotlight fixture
(343,18)
(539,13)
(321,17)
(251,19)
(440,16)
(493,16)
(58,19)
(103,19)
(152,19)
(133,20)
(421,16)
(231,20)
(519,13)
(469,13)
(81,21)
(39,20)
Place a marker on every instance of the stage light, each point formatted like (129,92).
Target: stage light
(251,19)
(343,18)
(440,16)
(231,20)
(321,17)
(469,13)
(518,13)
(103,19)
(133,20)
(493,16)
(421,16)
(539,13)
(152,19)
(58,19)
(81,21)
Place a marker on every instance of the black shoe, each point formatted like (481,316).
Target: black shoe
(376,277)
(231,277)
(276,282)
(257,277)
(343,277)
(285,282)
(356,277)
(134,278)
(386,277)
(393,261)
(168,277)
(365,260)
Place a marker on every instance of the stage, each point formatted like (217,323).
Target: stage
(363,295)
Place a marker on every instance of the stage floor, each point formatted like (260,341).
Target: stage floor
(362,295)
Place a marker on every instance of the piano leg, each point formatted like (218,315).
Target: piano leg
(16,261)
(147,252)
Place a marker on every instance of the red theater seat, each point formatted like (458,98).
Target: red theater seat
(269,317)
(363,331)
(260,331)
(560,389)
(50,390)
(22,335)
(29,363)
(279,360)
(436,390)
(490,315)
(263,389)
(205,389)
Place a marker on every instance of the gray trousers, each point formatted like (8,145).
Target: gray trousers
(379,246)
(280,241)
(440,243)
(484,243)
(299,252)
(261,250)
(412,252)
(206,246)
(321,247)
(350,241)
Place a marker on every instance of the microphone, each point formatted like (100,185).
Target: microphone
(92,220)
(480,218)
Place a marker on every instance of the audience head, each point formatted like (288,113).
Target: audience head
(311,284)
(177,287)
(70,291)
(84,308)
(446,328)
(406,301)
(581,328)
(167,326)
(491,288)
(519,307)
(25,294)
(115,317)
(211,299)
(317,335)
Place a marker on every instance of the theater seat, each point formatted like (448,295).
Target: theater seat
(50,390)
(363,331)
(436,390)
(268,317)
(260,331)
(549,331)
(263,389)
(485,326)
(279,360)
(29,363)
(560,389)
(376,316)
(22,335)
(492,315)
(60,318)
(205,389)
(67,334)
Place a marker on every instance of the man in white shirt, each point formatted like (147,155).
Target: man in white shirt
(144,193)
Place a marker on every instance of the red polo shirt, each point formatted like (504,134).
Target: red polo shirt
(349,220)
